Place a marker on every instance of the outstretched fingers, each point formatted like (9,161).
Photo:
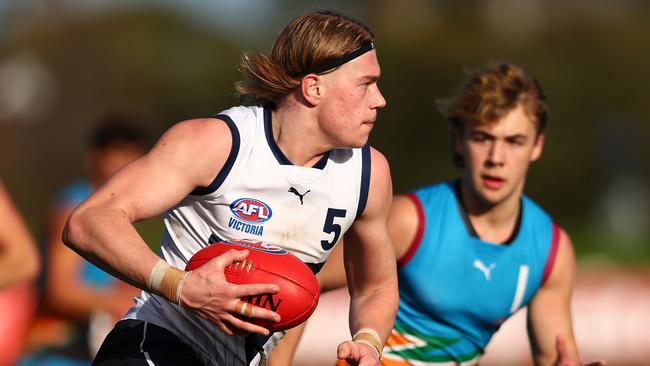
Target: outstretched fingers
(240,326)
(230,306)
(252,291)
(229,257)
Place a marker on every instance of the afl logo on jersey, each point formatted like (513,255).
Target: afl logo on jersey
(260,246)
(251,210)
(249,216)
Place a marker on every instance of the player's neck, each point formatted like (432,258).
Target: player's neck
(296,134)
(491,222)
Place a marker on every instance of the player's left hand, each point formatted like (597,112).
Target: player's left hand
(357,354)
(564,359)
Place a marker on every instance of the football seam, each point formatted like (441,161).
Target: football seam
(278,275)
(287,278)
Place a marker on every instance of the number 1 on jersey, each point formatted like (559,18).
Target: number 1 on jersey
(331,227)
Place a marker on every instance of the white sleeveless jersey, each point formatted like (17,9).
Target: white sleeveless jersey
(258,194)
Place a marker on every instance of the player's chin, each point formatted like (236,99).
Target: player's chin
(353,144)
(367,127)
(492,197)
(360,140)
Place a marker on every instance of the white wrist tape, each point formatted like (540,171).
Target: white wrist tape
(156,275)
(370,337)
(180,288)
(167,281)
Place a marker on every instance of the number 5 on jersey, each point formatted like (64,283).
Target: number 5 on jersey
(332,227)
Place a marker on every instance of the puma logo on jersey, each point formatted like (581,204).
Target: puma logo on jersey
(295,191)
(487,271)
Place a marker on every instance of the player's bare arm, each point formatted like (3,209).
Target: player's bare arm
(18,256)
(403,224)
(189,155)
(549,313)
(370,269)
(76,300)
(332,276)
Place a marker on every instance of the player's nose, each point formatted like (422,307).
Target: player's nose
(379,100)
(495,154)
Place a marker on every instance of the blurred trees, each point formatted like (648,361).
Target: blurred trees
(161,67)
(148,64)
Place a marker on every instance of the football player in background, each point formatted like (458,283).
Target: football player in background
(19,265)
(475,250)
(76,292)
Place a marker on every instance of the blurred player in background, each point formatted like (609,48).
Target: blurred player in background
(19,265)
(299,149)
(473,251)
(18,256)
(76,291)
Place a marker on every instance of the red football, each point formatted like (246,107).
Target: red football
(268,263)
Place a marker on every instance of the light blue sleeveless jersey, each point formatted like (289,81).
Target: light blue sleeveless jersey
(456,290)
(72,196)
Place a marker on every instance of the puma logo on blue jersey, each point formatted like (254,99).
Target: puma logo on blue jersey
(487,271)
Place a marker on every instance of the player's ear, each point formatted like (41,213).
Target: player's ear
(311,88)
(538,148)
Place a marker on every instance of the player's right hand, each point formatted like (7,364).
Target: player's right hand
(357,354)
(565,360)
(207,293)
